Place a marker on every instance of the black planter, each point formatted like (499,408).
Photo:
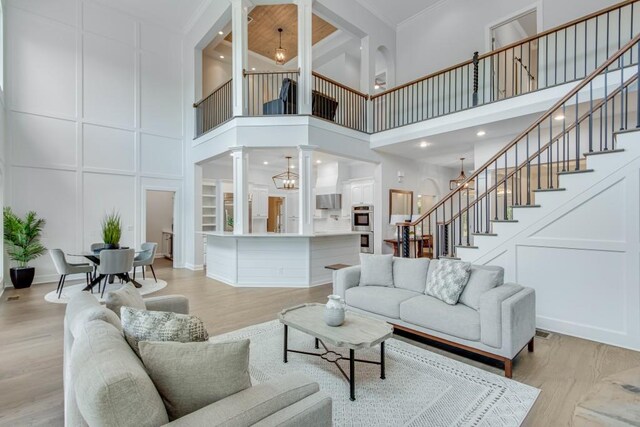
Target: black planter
(111,246)
(22,277)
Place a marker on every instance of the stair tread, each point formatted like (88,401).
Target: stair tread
(573,172)
(484,234)
(542,190)
(595,153)
(504,220)
(525,206)
(449,257)
(465,246)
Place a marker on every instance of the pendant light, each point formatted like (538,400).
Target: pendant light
(281,54)
(286,180)
(457,182)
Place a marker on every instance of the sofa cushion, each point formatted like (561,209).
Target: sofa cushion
(376,270)
(481,279)
(431,313)
(94,313)
(410,273)
(143,325)
(111,385)
(126,296)
(448,280)
(378,299)
(78,303)
(190,376)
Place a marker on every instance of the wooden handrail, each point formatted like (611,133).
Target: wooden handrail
(246,73)
(510,46)
(340,85)
(197,103)
(623,50)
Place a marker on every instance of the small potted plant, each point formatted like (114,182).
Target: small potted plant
(111,230)
(22,236)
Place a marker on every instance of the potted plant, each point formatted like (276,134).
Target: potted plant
(111,230)
(22,237)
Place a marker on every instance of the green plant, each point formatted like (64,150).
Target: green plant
(23,236)
(111,228)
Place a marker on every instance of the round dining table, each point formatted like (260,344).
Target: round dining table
(94,257)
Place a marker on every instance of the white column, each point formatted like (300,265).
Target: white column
(305,45)
(305,169)
(239,54)
(367,75)
(240,158)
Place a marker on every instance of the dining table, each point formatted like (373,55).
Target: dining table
(94,257)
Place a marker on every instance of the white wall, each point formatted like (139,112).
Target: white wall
(214,73)
(94,116)
(451,31)
(344,69)
(159,216)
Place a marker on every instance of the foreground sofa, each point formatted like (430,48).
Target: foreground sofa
(500,327)
(102,375)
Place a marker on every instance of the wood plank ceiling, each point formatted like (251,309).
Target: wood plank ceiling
(264,24)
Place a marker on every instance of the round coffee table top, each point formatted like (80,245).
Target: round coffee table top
(356,332)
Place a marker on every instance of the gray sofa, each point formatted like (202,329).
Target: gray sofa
(500,326)
(102,375)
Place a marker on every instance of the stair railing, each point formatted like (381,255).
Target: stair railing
(560,55)
(582,122)
(214,109)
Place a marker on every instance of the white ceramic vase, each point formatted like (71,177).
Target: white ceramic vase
(334,311)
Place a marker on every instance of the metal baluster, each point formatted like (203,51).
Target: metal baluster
(528,174)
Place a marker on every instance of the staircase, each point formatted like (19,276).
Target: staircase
(559,209)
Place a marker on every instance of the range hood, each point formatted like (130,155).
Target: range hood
(329,201)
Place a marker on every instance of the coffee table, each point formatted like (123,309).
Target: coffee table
(356,333)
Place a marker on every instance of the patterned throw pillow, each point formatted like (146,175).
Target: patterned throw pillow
(143,325)
(448,280)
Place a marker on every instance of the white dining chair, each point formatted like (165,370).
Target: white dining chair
(65,268)
(146,258)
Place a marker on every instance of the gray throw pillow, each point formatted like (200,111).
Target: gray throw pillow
(143,325)
(193,375)
(482,279)
(448,280)
(376,270)
(126,296)
(410,273)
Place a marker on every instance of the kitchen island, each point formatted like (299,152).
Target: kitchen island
(278,259)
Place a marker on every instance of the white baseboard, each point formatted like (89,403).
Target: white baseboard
(194,267)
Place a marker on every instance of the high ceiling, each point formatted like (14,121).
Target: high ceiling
(172,13)
(395,12)
(264,24)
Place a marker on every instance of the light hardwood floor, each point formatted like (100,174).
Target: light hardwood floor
(31,348)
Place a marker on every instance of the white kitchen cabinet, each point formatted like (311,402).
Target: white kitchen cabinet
(361,193)
(346,200)
(259,202)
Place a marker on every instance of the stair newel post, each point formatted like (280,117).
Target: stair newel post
(406,248)
(476,61)
(577,131)
(467,221)
(529,173)
(460,215)
(638,85)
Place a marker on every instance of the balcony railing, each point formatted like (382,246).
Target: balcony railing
(338,103)
(582,122)
(560,55)
(271,92)
(214,110)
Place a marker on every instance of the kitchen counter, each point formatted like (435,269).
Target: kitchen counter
(278,259)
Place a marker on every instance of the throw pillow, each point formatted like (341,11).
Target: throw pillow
(481,280)
(126,296)
(410,273)
(193,375)
(143,325)
(376,270)
(448,280)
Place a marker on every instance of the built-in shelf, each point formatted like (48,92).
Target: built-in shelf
(209,202)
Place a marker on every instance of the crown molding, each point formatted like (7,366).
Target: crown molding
(377,13)
(419,14)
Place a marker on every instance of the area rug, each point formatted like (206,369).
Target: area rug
(421,388)
(148,286)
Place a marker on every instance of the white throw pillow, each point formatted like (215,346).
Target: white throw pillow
(126,296)
(376,270)
(481,279)
(410,273)
(448,280)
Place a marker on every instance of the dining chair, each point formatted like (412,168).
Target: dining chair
(95,247)
(65,268)
(115,262)
(146,258)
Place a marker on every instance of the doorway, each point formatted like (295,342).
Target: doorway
(276,215)
(160,221)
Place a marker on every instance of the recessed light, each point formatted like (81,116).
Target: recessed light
(360,47)
(220,32)
(265,163)
(376,87)
(424,144)
(559,117)
(221,56)
(292,167)
(318,161)
(253,68)
(481,133)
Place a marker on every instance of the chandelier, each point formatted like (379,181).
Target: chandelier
(281,54)
(286,180)
(457,182)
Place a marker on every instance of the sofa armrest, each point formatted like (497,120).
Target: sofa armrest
(173,303)
(253,404)
(346,278)
(507,317)
(312,411)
